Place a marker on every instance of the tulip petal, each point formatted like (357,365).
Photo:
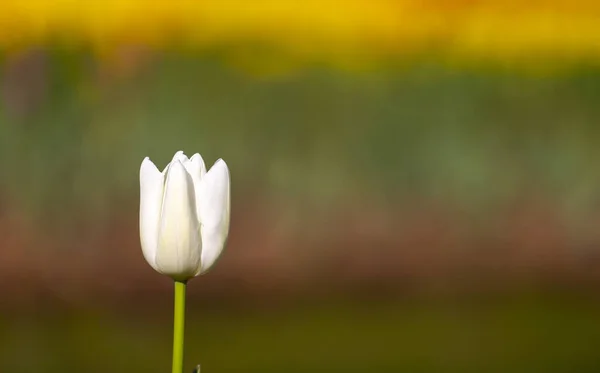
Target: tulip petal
(179,156)
(151,193)
(179,243)
(196,167)
(213,199)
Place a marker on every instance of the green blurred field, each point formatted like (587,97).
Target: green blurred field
(490,334)
(476,138)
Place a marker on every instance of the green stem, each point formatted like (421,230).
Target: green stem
(178,326)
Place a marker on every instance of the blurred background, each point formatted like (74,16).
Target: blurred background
(415,184)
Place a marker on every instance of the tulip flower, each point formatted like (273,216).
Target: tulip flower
(184,215)
(184,223)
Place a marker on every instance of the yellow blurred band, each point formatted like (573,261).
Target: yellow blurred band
(352,32)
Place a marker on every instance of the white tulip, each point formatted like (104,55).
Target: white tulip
(184,215)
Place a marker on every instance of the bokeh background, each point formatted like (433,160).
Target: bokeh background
(415,184)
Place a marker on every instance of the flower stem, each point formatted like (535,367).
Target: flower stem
(178,326)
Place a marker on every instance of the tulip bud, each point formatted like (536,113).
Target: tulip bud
(184,215)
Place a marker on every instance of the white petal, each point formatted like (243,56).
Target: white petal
(179,156)
(196,166)
(213,199)
(151,193)
(179,243)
